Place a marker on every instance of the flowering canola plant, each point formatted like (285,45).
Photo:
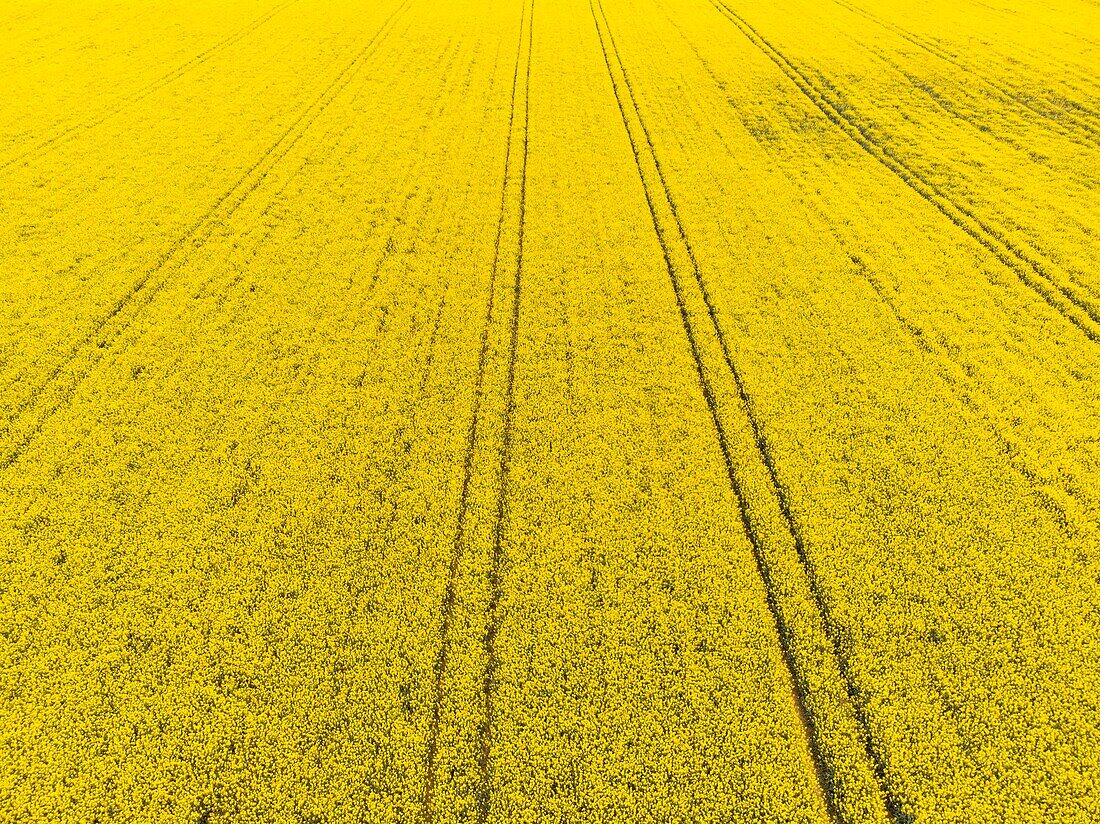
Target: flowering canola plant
(523,411)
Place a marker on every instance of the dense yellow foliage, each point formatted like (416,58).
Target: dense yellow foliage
(549,410)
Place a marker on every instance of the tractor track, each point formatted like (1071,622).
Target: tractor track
(130,306)
(1059,122)
(474,435)
(669,237)
(1028,269)
(119,106)
(496,572)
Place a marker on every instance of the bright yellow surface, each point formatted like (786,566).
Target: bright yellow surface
(522,411)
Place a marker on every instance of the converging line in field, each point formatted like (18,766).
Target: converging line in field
(140,295)
(1031,272)
(679,257)
(509,233)
(1061,119)
(496,574)
(127,101)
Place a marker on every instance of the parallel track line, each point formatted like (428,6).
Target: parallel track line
(825,772)
(140,296)
(148,89)
(496,582)
(1028,269)
(458,548)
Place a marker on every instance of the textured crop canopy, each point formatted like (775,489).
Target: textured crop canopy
(521,411)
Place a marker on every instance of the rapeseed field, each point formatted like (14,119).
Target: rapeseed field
(550,411)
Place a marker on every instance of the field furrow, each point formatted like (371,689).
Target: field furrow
(484,490)
(837,731)
(1059,292)
(754,297)
(137,96)
(47,397)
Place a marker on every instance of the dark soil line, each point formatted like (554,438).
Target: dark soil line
(427,812)
(1031,272)
(823,771)
(138,295)
(496,572)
